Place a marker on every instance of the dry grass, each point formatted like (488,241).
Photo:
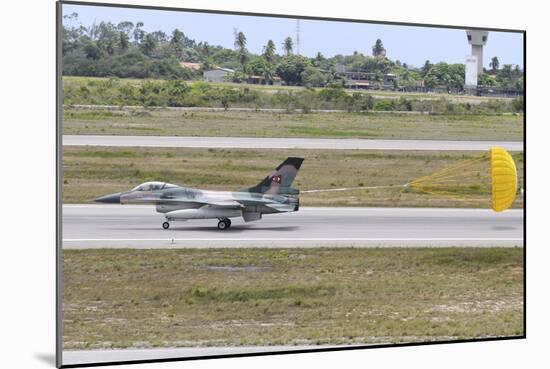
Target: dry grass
(89,172)
(162,122)
(201,297)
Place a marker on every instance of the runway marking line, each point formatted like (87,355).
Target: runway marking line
(289,239)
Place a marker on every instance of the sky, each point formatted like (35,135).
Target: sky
(410,44)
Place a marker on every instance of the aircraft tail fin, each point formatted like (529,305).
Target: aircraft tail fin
(280,180)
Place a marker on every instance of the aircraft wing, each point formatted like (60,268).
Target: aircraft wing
(225,204)
(229,204)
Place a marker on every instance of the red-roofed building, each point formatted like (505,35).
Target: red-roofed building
(188,65)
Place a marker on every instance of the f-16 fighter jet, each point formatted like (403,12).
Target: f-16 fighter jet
(274,194)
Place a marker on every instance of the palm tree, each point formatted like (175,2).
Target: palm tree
(240,46)
(378,48)
(243,57)
(287,45)
(426,67)
(269,51)
(267,72)
(240,41)
(319,58)
(494,64)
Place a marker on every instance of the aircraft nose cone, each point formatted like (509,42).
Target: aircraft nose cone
(113,198)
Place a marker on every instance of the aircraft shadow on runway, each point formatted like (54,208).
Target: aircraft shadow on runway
(233,229)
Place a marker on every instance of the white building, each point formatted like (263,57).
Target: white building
(217,74)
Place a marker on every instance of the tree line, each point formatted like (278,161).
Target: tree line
(177,93)
(126,50)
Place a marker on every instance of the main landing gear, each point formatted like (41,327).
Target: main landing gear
(224,224)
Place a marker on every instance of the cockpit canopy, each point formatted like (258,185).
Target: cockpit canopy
(153,186)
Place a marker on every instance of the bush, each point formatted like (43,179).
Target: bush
(518,105)
(114,91)
(384,105)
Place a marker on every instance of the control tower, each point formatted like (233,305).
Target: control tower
(477,39)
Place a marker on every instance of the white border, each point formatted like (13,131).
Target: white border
(28,178)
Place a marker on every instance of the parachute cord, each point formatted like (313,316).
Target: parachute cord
(355,188)
(452,169)
(452,175)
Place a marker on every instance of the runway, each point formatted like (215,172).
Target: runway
(285,143)
(132,226)
(75,357)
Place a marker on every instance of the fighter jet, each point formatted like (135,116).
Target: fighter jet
(274,194)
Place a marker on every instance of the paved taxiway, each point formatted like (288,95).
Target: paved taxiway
(72,357)
(133,226)
(284,143)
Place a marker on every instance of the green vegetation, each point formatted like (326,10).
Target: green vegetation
(177,93)
(126,50)
(92,171)
(279,88)
(219,297)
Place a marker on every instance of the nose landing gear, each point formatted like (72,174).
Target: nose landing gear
(165,225)
(224,224)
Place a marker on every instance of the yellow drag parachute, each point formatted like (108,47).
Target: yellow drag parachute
(493,173)
(504,179)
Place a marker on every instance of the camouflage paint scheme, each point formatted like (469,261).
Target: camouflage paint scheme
(274,194)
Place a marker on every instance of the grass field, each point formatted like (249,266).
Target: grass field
(216,297)
(173,122)
(89,172)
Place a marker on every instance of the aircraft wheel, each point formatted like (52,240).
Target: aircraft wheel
(224,224)
(165,225)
